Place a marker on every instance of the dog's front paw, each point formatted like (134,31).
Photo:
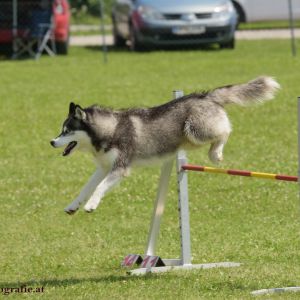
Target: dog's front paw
(90,207)
(71,210)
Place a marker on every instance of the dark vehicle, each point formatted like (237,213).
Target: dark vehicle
(24,14)
(147,23)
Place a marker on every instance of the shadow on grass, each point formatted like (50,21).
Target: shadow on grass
(6,53)
(215,286)
(74,281)
(125,49)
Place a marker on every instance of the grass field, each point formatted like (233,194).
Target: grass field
(255,222)
(268,25)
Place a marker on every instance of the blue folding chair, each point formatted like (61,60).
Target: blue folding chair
(41,31)
(39,36)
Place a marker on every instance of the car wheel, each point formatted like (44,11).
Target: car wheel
(228,45)
(134,44)
(118,40)
(240,13)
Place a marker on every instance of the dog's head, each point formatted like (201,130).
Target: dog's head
(74,133)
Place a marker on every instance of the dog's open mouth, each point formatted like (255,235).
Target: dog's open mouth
(69,148)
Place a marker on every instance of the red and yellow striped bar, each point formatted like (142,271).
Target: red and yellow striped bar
(197,168)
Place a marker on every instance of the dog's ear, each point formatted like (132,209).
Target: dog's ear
(80,113)
(72,108)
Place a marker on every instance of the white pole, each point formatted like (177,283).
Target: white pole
(183,208)
(104,46)
(15,26)
(159,207)
(183,203)
(299,144)
(292,28)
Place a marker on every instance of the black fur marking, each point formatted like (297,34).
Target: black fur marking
(123,141)
(72,123)
(72,108)
(97,141)
(151,113)
(158,111)
(95,109)
(146,112)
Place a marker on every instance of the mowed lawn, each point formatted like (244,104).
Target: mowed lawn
(252,221)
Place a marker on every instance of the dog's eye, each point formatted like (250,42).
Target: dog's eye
(66,131)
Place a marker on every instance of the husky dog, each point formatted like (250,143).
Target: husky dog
(119,138)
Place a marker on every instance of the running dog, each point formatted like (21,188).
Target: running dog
(120,138)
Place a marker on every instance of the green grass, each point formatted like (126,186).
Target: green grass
(268,25)
(255,222)
(87,19)
(91,32)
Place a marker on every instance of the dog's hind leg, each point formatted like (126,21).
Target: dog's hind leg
(86,192)
(113,178)
(215,153)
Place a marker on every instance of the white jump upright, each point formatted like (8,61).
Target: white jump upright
(150,262)
(159,206)
(299,144)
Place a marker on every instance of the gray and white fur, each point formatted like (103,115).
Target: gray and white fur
(120,138)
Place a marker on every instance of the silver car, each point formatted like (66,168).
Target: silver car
(146,23)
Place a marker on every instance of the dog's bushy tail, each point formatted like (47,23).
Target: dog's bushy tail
(258,90)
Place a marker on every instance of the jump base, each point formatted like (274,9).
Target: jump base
(276,290)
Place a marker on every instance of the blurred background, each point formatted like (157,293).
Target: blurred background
(31,27)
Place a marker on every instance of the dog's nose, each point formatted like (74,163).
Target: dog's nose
(52,143)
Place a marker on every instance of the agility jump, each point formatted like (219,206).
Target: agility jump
(150,262)
(196,168)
